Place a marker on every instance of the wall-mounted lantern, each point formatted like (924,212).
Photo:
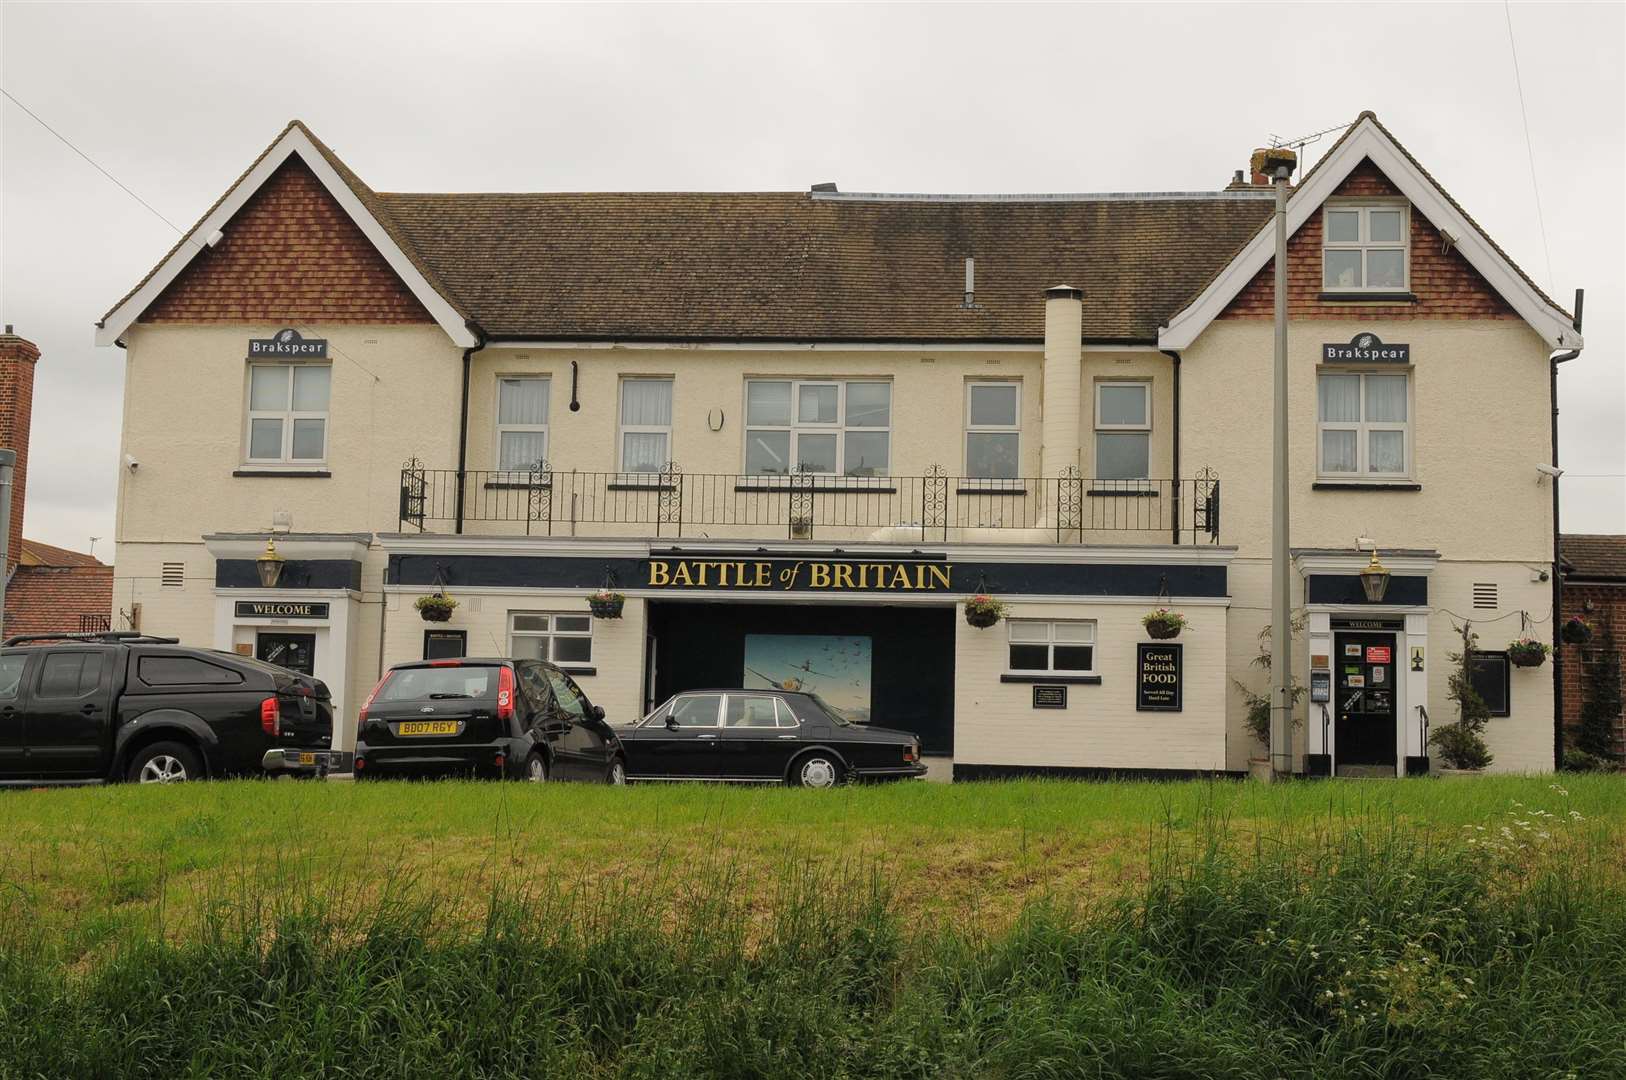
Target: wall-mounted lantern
(270,565)
(1375,579)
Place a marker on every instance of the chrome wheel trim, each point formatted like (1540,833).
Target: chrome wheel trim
(163,769)
(536,770)
(817,772)
(618,773)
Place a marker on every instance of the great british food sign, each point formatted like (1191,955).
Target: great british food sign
(820,575)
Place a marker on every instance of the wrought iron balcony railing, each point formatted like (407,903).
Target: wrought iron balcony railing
(543,501)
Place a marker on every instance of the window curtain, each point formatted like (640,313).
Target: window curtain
(523,401)
(646,403)
(1386,399)
(1340,398)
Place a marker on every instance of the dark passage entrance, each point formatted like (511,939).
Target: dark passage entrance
(1364,693)
(892,666)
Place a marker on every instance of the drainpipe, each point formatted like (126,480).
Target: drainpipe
(463,419)
(1558,592)
(1175,357)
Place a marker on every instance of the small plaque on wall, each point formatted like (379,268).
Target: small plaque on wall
(1157,677)
(1050,697)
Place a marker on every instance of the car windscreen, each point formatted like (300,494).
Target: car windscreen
(439,683)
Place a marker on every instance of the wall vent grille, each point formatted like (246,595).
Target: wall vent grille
(1485,595)
(172,575)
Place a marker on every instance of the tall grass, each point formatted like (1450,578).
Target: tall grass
(1373,950)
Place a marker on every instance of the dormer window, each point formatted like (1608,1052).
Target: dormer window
(1364,248)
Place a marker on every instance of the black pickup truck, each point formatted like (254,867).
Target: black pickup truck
(84,708)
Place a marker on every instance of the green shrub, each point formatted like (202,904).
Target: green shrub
(1601,703)
(1462,745)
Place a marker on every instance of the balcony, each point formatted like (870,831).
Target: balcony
(932,508)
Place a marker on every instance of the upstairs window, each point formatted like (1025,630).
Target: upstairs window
(522,422)
(1364,248)
(993,438)
(1123,430)
(646,424)
(287,413)
(1364,430)
(834,428)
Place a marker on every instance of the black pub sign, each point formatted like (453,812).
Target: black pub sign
(1157,677)
(820,574)
(280,609)
(288,344)
(1365,349)
(1050,697)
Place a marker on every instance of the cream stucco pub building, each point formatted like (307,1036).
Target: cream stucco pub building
(798,430)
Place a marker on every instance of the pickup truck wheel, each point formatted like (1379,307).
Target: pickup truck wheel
(617,775)
(165,763)
(536,769)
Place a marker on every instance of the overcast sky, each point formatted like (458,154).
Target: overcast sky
(176,100)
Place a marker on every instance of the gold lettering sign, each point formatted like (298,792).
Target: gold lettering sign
(280,609)
(823,575)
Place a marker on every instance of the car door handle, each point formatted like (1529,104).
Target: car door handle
(705,736)
(90,710)
(787,736)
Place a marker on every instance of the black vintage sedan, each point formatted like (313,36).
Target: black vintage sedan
(776,736)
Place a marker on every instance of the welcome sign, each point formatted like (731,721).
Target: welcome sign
(829,575)
(288,344)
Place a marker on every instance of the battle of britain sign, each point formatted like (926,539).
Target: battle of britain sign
(288,344)
(1365,349)
(789,574)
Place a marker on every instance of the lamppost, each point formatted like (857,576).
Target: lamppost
(1277,163)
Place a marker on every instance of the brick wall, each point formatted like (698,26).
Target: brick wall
(17,359)
(1602,605)
(290,255)
(1445,285)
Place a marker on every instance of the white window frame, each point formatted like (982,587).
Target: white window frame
(838,428)
(499,428)
(287,416)
(1365,244)
(623,429)
(1123,429)
(1050,644)
(971,429)
(552,632)
(1361,429)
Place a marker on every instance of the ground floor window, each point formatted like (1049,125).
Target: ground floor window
(561,639)
(1067,647)
(1491,674)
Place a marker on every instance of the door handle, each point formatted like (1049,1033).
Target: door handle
(787,736)
(705,736)
(89,710)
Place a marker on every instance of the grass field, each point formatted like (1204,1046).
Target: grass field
(1358,929)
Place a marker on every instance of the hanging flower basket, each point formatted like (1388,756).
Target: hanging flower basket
(1528,652)
(1163,624)
(436,607)
(606,604)
(1576,630)
(983,611)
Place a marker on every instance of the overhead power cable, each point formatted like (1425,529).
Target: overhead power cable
(1529,152)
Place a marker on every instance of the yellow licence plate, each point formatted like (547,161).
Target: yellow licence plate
(307,759)
(427,727)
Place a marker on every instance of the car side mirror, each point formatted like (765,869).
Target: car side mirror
(671,723)
(598,712)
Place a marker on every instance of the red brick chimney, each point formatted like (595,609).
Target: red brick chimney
(17,358)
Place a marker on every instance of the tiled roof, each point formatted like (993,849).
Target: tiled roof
(794,265)
(51,599)
(35,553)
(1593,555)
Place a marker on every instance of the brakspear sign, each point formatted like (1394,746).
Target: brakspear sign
(1365,349)
(789,574)
(288,343)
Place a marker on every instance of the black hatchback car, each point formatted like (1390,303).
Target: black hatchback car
(780,736)
(517,719)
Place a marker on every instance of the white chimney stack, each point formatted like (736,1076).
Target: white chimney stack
(1063,375)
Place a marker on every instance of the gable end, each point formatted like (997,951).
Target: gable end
(1445,285)
(291,254)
